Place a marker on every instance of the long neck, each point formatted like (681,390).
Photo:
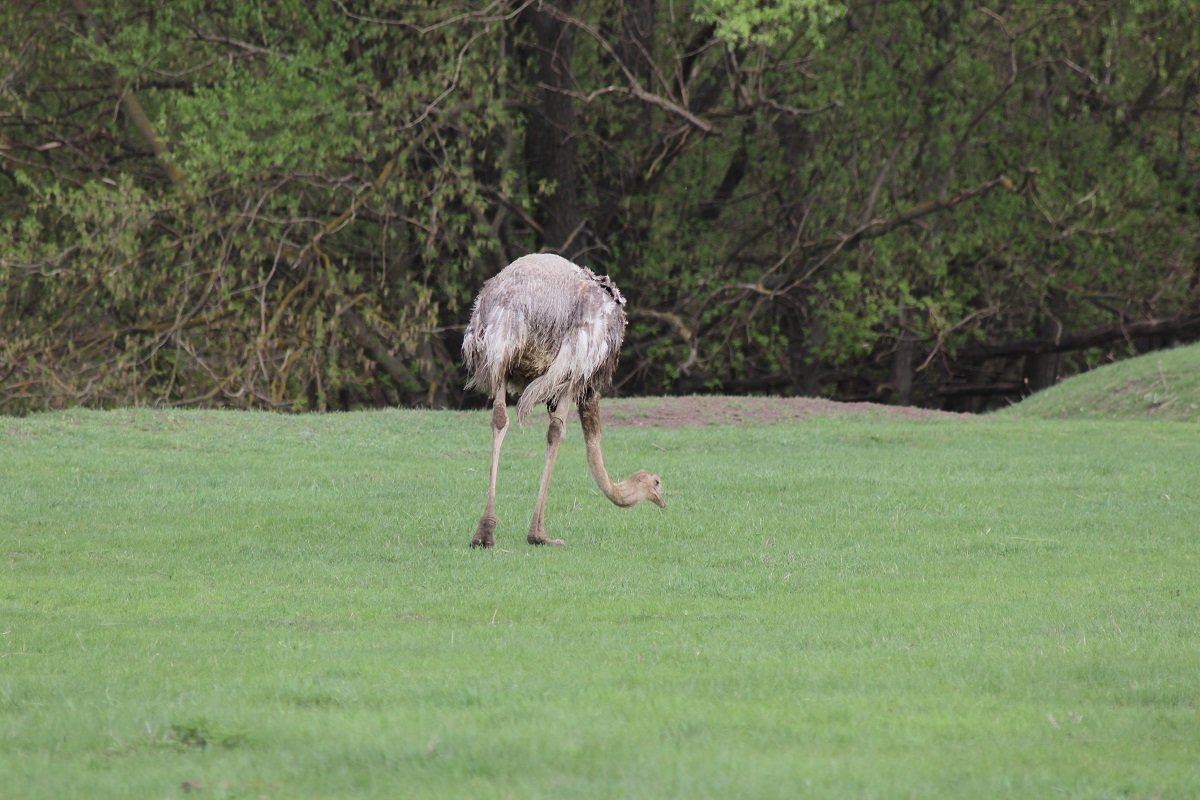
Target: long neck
(589,417)
(621,493)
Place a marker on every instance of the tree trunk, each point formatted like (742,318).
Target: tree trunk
(1041,369)
(636,51)
(809,362)
(550,141)
(902,363)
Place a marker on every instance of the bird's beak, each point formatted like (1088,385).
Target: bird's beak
(657,499)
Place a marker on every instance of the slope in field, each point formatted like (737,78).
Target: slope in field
(1161,385)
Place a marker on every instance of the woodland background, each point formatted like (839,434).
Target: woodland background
(291,205)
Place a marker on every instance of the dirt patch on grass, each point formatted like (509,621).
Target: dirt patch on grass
(700,410)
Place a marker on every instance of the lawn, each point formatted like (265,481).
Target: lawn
(232,604)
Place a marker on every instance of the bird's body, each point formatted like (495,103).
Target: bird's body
(547,325)
(555,329)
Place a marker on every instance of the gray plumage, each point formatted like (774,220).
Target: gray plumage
(546,324)
(555,328)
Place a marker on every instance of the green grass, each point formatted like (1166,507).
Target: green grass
(248,605)
(1164,384)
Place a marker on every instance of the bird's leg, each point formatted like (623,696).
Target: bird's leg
(485,533)
(554,437)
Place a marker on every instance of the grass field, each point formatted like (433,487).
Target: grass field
(212,604)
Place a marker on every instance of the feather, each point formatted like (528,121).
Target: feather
(548,325)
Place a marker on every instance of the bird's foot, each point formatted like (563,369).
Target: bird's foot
(539,538)
(485,533)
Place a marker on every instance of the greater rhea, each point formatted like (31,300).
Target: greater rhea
(555,329)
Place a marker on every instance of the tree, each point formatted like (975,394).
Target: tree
(285,206)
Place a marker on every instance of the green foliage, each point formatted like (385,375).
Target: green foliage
(740,22)
(297,111)
(303,201)
(240,604)
(786,191)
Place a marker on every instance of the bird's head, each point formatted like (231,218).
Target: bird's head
(647,486)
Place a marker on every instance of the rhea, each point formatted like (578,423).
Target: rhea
(554,330)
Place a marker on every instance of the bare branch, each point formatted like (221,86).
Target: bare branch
(487,15)
(873,197)
(133,108)
(799,112)
(247,47)
(635,86)
(1186,325)
(881,227)
(675,322)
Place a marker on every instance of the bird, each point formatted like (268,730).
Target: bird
(553,330)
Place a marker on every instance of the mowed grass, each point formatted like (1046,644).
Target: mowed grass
(212,604)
